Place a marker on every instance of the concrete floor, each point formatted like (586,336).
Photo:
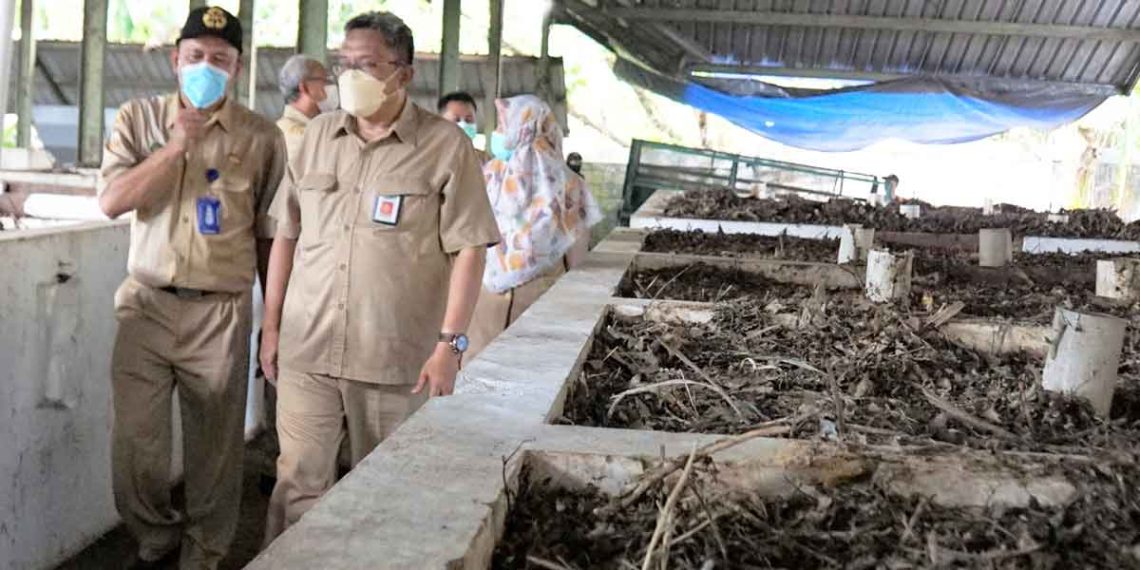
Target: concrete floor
(116,549)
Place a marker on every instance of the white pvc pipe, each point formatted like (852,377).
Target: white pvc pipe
(63,207)
(995,247)
(888,276)
(1118,278)
(848,253)
(1084,356)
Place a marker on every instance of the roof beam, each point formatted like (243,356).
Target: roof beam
(872,23)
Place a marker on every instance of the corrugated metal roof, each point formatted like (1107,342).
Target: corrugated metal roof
(1086,42)
(131,71)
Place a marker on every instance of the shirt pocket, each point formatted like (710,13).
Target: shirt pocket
(319,201)
(415,200)
(237,201)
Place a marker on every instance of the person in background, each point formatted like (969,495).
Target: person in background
(890,188)
(574,161)
(544,211)
(198,170)
(460,108)
(304,84)
(383,227)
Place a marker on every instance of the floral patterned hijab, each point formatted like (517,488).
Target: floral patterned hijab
(541,205)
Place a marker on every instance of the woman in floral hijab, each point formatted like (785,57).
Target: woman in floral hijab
(544,211)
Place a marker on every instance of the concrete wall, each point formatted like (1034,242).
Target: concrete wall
(56,332)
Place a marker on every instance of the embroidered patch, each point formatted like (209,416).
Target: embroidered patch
(214,18)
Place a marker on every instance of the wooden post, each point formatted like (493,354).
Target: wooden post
(26,85)
(495,57)
(93,58)
(1118,278)
(995,247)
(1084,356)
(313,29)
(888,275)
(449,49)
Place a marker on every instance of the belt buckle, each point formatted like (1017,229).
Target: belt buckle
(189,294)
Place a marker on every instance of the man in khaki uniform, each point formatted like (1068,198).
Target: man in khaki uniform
(199,172)
(304,85)
(385,209)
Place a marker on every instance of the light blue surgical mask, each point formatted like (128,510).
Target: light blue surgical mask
(499,148)
(203,84)
(469,128)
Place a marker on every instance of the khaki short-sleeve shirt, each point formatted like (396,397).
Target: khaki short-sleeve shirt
(202,233)
(292,124)
(376,225)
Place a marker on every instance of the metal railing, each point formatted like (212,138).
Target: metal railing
(656,166)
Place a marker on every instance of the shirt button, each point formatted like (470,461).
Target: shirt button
(357,190)
(340,306)
(343,266)
(185,219)
(346,227)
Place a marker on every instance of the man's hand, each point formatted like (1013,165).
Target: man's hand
(268,354)
(189,125)
(439,372)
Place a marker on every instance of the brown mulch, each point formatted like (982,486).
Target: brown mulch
(726,205)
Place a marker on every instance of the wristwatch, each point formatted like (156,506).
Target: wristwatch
(457,341)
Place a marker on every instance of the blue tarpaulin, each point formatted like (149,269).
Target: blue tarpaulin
(920,109)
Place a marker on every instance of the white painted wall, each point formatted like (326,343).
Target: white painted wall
(55,390)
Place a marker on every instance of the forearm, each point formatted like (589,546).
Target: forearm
(463,290)
(141,185)
(580,250)
(277,281)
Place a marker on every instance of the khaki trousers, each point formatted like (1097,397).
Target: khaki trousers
(494,312)
(199,347)
(314,415)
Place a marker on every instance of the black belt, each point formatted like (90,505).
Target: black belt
(184,293)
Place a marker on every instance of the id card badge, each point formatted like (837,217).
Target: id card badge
(209,215)
(386,209)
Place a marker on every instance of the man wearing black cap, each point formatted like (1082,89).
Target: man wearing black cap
(198,171)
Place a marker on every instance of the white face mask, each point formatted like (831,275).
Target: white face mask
(332,99)
(361,94)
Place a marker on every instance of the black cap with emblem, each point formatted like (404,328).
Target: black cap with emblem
(212,21)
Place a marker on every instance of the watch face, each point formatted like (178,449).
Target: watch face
(461,343)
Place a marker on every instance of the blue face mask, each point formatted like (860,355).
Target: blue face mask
(499,148)
(469,129)
(203,84)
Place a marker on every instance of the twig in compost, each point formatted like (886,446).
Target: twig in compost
(670,282)
(665,518)
(956,413)
(617,398)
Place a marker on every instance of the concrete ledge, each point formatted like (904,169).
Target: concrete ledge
(1034,244)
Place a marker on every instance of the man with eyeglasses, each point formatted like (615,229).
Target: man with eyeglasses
(305,85)
(383,225)
(198,171)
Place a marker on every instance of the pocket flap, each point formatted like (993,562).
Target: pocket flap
(398,186)
(317,182)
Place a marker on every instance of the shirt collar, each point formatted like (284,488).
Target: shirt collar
(224,116)
(294,114)
(406,127)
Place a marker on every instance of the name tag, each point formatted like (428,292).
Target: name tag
(386,209)
(209,215)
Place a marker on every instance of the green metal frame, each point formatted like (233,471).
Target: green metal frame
(642,180)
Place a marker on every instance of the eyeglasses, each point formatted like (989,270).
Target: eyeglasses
(373,68)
